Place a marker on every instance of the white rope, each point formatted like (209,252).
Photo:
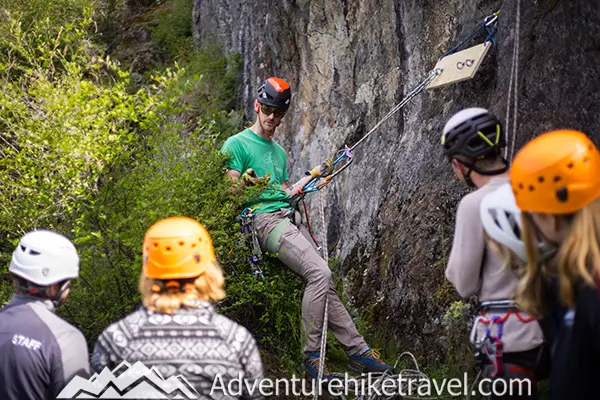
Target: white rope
(412,378)
(513,89)
(420,87)
(325,255)
(322,201)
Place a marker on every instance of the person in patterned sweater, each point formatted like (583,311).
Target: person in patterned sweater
(177,330)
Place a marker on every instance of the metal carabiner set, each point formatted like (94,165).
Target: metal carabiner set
(248,229)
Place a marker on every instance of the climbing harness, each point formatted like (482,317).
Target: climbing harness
(248,229)
(489,351)
(513,87)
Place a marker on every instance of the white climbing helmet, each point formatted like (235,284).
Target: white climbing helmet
(462,116)
(501,219)
(45,258)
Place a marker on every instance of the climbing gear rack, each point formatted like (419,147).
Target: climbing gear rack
(246,220)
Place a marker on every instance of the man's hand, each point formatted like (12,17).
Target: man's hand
(321,170)
(251,179)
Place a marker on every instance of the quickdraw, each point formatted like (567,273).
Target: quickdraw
(491,348)
(246,220)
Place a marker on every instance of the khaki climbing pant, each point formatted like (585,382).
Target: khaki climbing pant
(294,246)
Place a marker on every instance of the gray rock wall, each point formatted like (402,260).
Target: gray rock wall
(390,216)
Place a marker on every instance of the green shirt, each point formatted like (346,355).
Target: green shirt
(249,150)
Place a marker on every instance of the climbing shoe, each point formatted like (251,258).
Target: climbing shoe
(312,367)
(368,361)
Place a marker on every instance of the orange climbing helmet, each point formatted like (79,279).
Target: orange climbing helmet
(556,173)
(177,248)
(275,92)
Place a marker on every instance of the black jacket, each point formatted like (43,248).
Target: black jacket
(576,353)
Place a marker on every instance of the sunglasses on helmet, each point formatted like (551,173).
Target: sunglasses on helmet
(268,110)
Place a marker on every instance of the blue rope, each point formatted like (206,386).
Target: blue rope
(485,25)
(491,34)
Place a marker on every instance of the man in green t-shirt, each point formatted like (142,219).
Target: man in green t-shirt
(255,158)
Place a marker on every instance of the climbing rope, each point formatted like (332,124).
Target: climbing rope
(412,378)
(489,23)
(347,152)
(513,88)
(325,255)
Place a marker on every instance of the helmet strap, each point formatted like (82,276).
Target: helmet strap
(468,179)
(63,288)
(261,125)
(33,289)
(173,286)
(472,168)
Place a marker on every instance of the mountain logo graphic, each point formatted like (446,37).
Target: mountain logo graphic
(128,381)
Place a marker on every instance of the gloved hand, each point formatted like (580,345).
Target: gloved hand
(251,179)
(323,169)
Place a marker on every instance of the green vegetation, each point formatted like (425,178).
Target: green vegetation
(88,151)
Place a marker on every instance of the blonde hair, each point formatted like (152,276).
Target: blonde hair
(158,297)
(510,260)
(578,259)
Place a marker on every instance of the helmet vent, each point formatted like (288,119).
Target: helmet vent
(193,245)
(531,188)
(23,248)
(494,214)
(168,248)
(521,186)
(155,244)
(182,243)
(541,179)
(562,195)
(197,258)
(34,253)
(557,178)
(200,240)
(570,165)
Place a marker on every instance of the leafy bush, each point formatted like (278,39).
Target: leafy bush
(457,324)
(66,116)
(85,153)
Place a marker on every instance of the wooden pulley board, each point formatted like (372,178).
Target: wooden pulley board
(460,66)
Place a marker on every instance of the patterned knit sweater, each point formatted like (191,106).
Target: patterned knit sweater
(208,349)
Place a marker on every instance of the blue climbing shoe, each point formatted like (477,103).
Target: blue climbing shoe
(368,361)
(312,367)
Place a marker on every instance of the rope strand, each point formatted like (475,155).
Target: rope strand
(513,90)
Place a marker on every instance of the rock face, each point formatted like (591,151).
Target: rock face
(390,216)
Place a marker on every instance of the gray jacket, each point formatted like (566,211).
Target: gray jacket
(39,352)
(474,269)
